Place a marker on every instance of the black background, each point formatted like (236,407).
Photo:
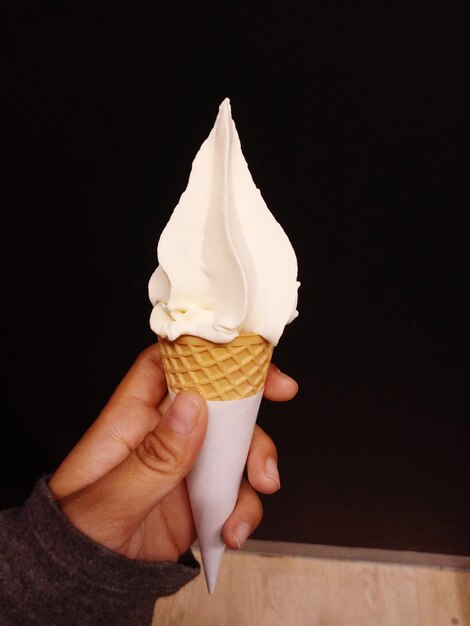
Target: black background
(353,122)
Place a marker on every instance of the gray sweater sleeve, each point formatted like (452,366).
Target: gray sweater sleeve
(52,574)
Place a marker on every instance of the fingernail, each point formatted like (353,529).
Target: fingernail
(182,414)
(271,470)
(242,533)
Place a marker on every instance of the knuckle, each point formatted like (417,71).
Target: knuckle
(259,510)
(252,503)
(261,442)
(158,456)
(150,355)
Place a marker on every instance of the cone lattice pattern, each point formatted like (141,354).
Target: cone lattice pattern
(228,371)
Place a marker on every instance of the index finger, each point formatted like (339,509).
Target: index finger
(279,386)
(145,381)
(128,416)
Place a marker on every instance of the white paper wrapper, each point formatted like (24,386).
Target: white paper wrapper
(214,480)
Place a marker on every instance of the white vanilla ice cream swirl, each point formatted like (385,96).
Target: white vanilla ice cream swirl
(226,266)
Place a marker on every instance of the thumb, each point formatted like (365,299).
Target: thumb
(125,496)
(167,453)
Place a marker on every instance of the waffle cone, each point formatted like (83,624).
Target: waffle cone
(227,371)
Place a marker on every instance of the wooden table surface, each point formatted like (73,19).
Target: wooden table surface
(255,590)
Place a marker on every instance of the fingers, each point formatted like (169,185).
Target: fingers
(129,415)
(279,386)
(245,518)
(263,476)
(262,463)
(118,502)
(145,381)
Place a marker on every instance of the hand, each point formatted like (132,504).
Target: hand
(123,483)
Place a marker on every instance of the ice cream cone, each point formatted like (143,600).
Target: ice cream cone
(218,371)
(231,378)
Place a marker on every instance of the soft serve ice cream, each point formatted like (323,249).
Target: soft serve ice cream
(225,288)
(226,266)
